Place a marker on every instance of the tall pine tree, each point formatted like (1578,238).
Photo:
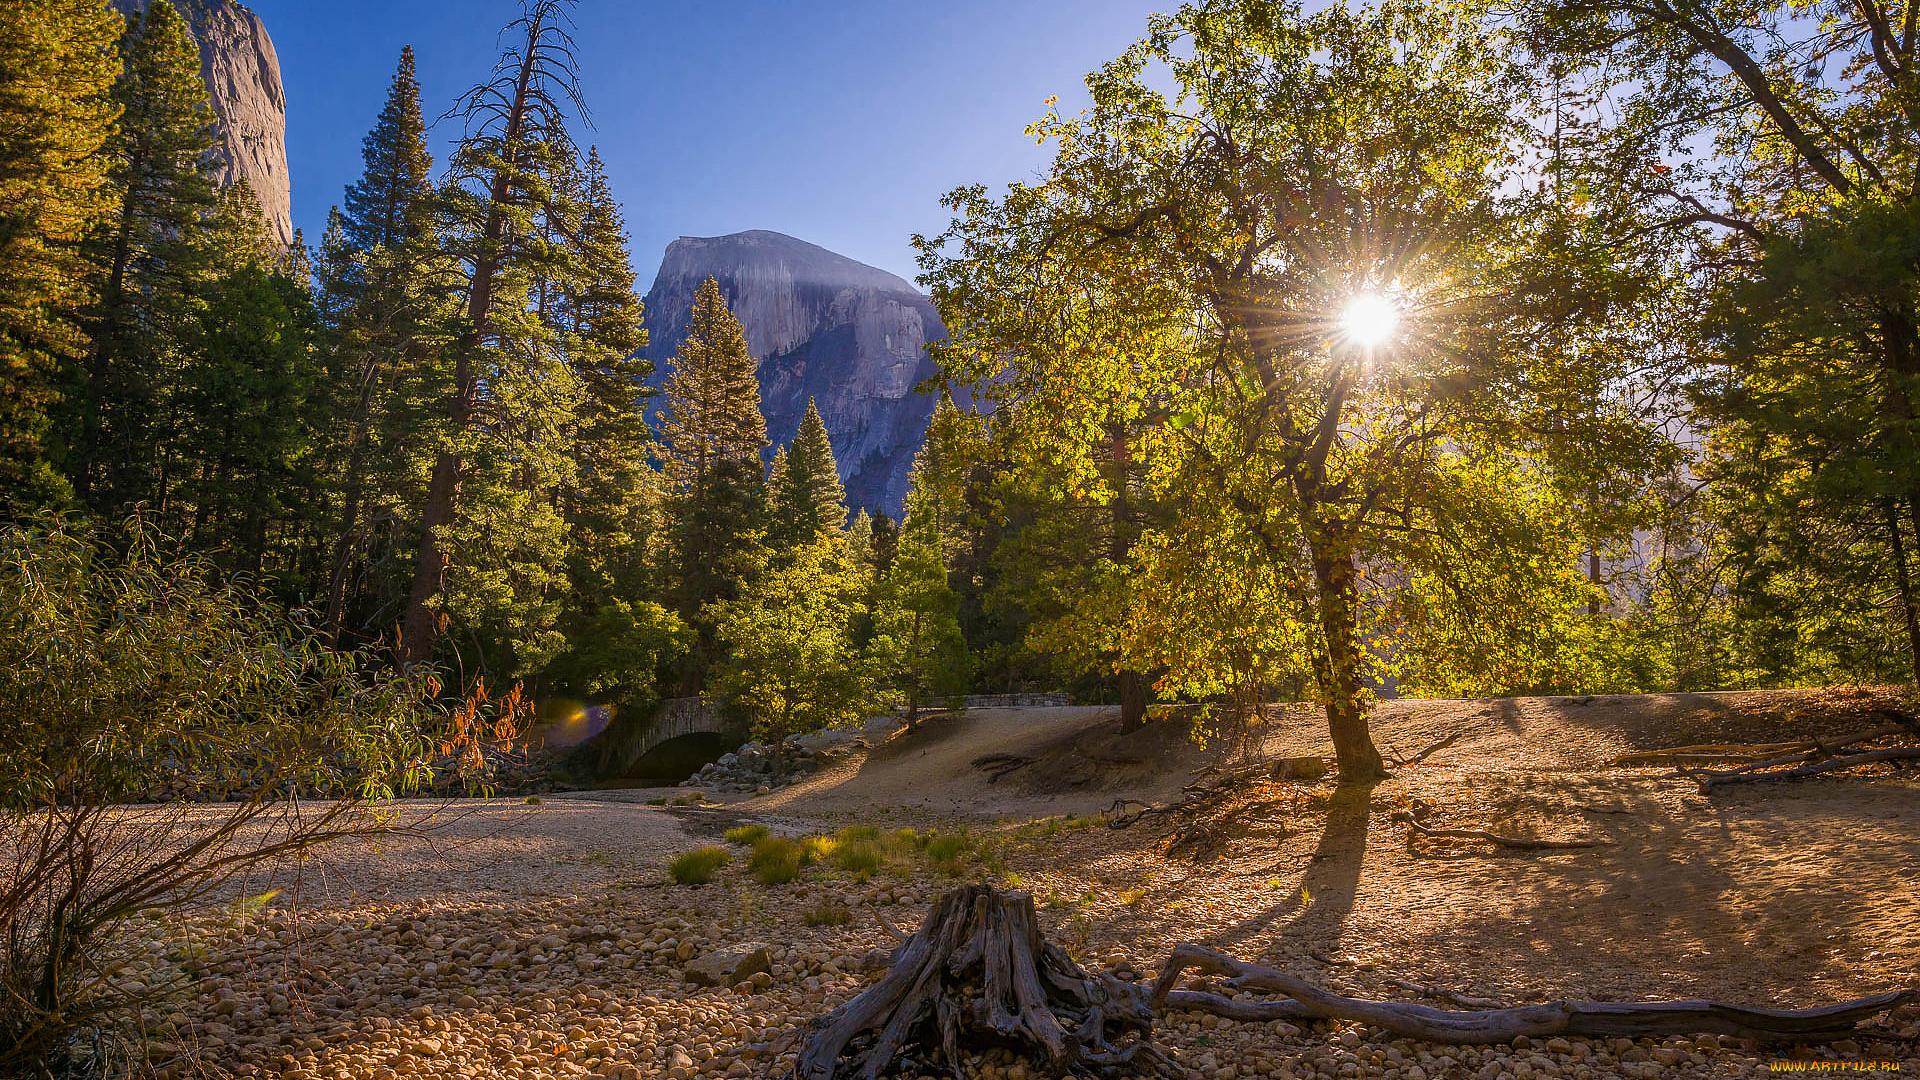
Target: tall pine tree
(712,434)
(491,542)
(148,258)
(917,643)
(807,497)
(374,267)
(57,70)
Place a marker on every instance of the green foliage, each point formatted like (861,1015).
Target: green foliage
(129,672)
(697,867)
(916,641)
(791,664)
(858,857)
(57,70)
(147,261)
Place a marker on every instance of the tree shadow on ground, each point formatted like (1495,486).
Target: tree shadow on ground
(1317,912)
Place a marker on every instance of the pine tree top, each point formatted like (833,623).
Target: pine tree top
(711,413)
(389,204)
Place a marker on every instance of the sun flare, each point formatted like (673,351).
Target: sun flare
(1370,320)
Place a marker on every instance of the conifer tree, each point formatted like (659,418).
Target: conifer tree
(509,392)
(373,262)
(57,70)
(712,435)
(161,181)
(808,497)
(614,504)
(886,542)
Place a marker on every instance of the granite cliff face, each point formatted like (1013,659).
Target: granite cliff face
(243,78)
(848,335)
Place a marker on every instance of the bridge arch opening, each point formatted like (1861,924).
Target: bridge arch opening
(678,758)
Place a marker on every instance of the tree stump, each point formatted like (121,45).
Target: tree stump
(978,974)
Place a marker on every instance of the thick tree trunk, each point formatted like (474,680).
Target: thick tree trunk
(1133,699)
(1341,690)
(1131,684)
(1904,584)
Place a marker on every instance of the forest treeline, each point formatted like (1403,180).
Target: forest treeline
(1644,420)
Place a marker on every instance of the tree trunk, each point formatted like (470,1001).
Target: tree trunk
(421,627)
(1905,586)
(1132,684)
(1341,691)
(1133,700)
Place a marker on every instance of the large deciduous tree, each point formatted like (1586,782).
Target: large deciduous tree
(1193,258)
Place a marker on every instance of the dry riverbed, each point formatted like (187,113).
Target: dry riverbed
(544,940)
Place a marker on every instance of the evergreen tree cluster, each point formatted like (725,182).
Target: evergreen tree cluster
(431,432)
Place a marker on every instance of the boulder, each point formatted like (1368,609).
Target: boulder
(725,967)
(1300,768)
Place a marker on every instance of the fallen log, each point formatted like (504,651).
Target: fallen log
(1593,1019)
(977,974)
(1709,781)
(1412,819)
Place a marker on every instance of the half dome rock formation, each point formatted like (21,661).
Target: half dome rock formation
(848,335)
(243,78)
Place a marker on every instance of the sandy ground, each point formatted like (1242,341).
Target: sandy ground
(1778,894)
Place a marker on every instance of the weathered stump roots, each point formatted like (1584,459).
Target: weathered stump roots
(979,974)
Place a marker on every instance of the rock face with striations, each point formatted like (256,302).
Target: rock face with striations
(848,335)
(243,78)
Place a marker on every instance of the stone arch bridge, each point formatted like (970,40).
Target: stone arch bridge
(615,751)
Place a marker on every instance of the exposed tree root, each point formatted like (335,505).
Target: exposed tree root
(1585,1018)
(999,765)
(977,973)
(1417,826)
(1213,812)
(1435,748)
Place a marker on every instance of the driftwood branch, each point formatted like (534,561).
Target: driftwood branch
(1413,820)
(1486,1026)
(1709,780)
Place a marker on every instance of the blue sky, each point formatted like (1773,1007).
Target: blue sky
(838,122)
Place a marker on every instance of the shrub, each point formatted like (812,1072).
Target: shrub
(746,835)
(859,857)
(947,849)
(828,912)
(775,860)
(861,834)
(696,867)
(818,848)
(126,673)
